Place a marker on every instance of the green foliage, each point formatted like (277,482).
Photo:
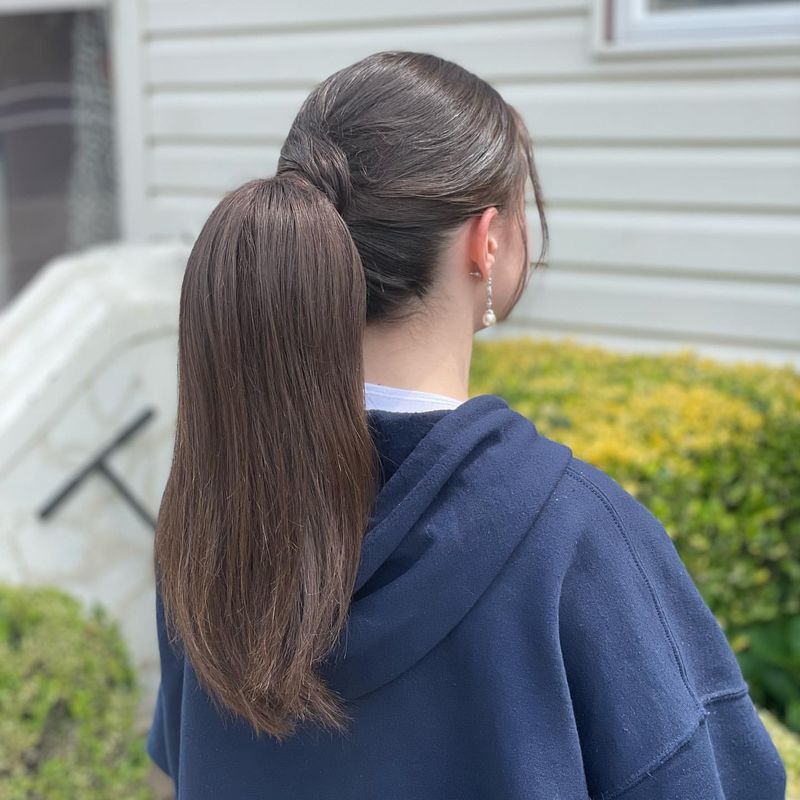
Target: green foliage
(771,651)
(67,702)
(788,746)
(713,450)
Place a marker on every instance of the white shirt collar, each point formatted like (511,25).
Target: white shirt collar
(393,398)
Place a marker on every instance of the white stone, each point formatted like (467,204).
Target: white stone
(87,346)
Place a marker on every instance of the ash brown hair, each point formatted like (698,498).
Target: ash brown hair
(274,471)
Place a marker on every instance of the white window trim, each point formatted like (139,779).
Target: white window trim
(127,79)
(629,27)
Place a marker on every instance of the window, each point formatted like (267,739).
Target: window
(654,24)
(57,164)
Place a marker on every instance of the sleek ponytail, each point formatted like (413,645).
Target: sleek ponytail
(274,472)
(261,523)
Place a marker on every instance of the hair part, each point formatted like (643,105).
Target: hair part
(274,471)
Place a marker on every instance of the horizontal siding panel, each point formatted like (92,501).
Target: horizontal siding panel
(751,178)
(668,111)
(665,306)
(761,246)
(210,169)
(734,178)
(229,115)
(536,49)
(671,111)
(170,16)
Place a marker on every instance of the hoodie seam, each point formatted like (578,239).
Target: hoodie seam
(620,526)
(725,694)
(664,757)
(673,750)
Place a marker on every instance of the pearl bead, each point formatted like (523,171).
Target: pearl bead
(489,317)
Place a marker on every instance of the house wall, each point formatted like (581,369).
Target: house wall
(672,181)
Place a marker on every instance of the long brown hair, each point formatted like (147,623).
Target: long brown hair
(274,470)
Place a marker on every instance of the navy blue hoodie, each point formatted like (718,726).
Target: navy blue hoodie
(521,627)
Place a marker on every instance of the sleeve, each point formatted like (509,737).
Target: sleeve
(156,736)
(163,738)
(660,704)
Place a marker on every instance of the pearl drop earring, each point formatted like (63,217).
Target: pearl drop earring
(489,317)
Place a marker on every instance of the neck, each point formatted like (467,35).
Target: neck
(420,356)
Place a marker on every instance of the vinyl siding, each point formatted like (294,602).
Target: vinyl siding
(672,182)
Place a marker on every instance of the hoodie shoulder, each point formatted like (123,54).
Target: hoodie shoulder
(637,548)
(649,668)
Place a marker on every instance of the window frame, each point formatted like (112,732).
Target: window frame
(128,99)
(630,27)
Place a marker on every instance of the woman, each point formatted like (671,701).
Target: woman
(371,585)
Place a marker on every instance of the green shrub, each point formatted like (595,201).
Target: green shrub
(713,450)
(788,745)
(67,702)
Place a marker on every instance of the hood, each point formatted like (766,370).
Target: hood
(442,528)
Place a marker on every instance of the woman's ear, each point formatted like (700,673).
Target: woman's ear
(482,243)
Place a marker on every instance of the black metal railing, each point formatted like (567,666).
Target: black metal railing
(99,464)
